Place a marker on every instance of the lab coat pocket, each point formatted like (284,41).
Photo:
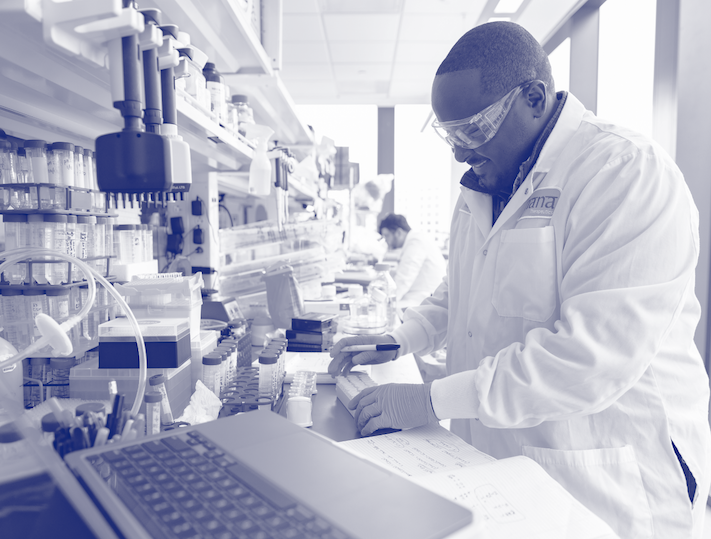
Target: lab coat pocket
(607,481)
(525,284)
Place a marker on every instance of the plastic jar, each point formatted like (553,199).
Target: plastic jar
(8,163)
(152,400)
(211,372)
(60,164)
(241,113)
(61,367)
(58,272)
(16,237)
(157,383)
(36,153)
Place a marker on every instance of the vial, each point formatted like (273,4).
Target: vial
(88,169)
(86,244)
(36,153)
(79,167)
(60,376)
(58,272)
(61,164)
(152,400)
(35,303)
(157,383)
(39,236)
(211,369)
(16,237)
(268,373)
(58,303)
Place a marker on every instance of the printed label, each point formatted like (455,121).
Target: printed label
(541,203)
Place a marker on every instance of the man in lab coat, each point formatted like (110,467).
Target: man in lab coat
(421,266)
(568,310)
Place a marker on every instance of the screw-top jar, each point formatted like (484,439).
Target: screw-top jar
(152,400)
(268,374)
(240,113)
(60,164)
(211,372)
(157,383)
(36,153)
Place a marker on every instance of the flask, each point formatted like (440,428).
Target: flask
(61,367)
(383,290)
(152,400)
(216,86)
(157,383)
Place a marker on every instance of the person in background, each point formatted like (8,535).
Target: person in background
(421,266)
(568,310)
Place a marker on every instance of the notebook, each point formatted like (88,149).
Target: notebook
(255,475)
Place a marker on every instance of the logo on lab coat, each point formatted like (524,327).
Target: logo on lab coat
(541,203)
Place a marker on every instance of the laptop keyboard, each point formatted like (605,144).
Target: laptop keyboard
(186,487)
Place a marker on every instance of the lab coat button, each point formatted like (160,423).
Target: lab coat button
(485,251)
(470,333)
(526,191)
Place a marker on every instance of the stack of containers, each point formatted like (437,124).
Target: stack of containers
(312,332)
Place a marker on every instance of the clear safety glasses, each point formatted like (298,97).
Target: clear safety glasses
(472,132)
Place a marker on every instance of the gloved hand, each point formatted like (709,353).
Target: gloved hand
(398,406)
(343,362)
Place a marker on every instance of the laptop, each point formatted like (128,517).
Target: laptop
(251,475)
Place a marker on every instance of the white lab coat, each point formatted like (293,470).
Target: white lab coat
(420,269)
(569,331)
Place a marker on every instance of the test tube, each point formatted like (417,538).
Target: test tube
(39,236)
(36,152)
(86,229)
(8,163)
(211,367)
(56,224)
(157,383)
(88,169)
(58,303)
(78,167)
(22,193)
(152,400)
(16,237)
(97,235)
(61,367)
(16,326)
(61,170)
(35,303)
(268,374)
(71,236)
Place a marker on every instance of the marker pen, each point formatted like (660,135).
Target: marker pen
(370,347)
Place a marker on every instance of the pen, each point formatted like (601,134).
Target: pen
(370,347)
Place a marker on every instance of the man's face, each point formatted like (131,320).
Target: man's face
(395,239)
(458,95)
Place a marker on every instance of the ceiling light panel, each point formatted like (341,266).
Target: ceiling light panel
(300,6)
(444,6)
(360,6)
(302,28)
(508,6)
(361,27)
(354,51)
(304,51)
(433,27)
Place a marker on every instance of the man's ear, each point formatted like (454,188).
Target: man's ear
(537,98)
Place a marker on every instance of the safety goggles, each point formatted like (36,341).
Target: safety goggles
(472,132)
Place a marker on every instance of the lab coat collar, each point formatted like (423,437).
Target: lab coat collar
(568,122)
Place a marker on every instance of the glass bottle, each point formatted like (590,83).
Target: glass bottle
(16,237)
(383,290)
(216,87)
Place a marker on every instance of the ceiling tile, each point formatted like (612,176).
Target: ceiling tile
(444,6)
(356,27)
(357,51)
(306,71)
(418,51)
(312,91)
(410,90)
(304,51)
(362,72)
(300,6)
(302,28)
(432,27)
(378,87)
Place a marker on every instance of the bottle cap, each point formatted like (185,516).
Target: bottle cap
(35,144)
(212,359)
(54,218)
(95,407)
(157,379)
(49,422)
(88,152)
(78,150)
(15,218)
(268,357)
(62,146)
(21,152)
(240,98)
(152,396)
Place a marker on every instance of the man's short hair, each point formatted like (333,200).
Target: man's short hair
(392,222)
(504,52)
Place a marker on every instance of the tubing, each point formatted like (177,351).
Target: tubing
(16,255)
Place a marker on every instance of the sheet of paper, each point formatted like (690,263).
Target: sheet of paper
(424,450)
(513,498)
(314,361)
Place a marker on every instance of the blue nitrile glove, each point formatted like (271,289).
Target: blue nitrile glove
(343,362)
(398,406)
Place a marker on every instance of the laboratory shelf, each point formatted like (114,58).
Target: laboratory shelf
(57,93)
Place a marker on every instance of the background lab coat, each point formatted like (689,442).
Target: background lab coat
(570,338)
(420,269)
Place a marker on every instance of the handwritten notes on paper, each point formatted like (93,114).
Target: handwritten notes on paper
(424,450)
